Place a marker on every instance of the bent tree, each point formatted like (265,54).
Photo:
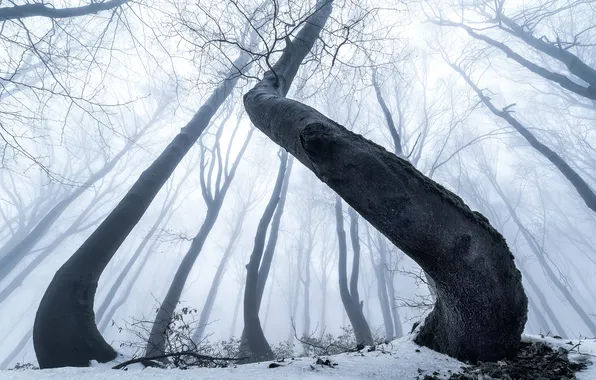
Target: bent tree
(481,307)
(64,331)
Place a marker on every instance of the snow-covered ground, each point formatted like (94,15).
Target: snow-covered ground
(401,359)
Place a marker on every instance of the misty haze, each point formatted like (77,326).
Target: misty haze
(284,189)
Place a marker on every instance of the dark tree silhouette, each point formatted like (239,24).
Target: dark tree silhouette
(481,306)
(64,332)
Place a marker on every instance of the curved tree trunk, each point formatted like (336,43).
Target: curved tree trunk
(351,303)
(481,306)
(252,336)
(64,332)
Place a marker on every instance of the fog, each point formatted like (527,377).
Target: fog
(494,101)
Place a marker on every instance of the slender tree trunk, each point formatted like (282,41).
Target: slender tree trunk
(381,289)
(64,332)
(544,327)
(221,268)
(74,228)
(582,188)
(265,266)
(481,306)
(253,335)
(125,293)
(165,210)
(237,308)
(323,306)
(306,283)
(388,276)
(156,344)
(269,302)
(384,302)
(351,303)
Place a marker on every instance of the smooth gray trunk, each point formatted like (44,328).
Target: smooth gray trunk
(388,276)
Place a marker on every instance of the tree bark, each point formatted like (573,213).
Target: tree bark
(481,306)
(351,303)
(64,332)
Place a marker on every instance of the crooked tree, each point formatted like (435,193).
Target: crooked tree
(481,307)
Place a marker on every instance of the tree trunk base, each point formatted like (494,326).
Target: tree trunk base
(64,331)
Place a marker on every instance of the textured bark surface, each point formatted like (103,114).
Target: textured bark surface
(64,331)
(481,306)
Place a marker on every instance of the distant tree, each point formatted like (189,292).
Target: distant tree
(349,294)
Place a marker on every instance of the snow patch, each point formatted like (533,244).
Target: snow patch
(400,359)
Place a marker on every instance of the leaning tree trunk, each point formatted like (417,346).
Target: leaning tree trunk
(253,338)
(481,306)
(64,332)
(350,301)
